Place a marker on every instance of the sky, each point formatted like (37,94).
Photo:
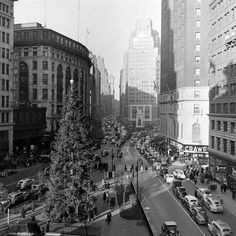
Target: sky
(104,26)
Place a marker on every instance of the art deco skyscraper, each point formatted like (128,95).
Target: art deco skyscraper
(140,74)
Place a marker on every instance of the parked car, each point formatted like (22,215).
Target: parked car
(17,197)
(189,201)
(170,228)
(169,178)
(24,184)
(131,143)
(219,228)
(175,184)
(202,193)
(104,153)
(199,215)
(214,204)
(179,174)
(180,192)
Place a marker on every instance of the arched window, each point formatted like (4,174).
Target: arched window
(68,78)
(59,83)
(196,132)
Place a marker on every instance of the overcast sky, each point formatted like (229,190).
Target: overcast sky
(109,22)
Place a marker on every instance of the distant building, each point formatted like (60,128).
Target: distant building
(222,96)
(139,76)
(184,77)
(6,80)
(45,63)
(106,93)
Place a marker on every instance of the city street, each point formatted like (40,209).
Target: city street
(161,205)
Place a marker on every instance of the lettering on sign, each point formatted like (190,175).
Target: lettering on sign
(191,148)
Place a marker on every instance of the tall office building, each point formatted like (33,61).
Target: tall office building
(140,75)
(6,80)
(184,76)
(222,132)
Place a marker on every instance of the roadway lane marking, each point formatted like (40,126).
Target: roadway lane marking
(129,153)
(181,207)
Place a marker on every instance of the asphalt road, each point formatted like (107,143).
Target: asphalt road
(161,205)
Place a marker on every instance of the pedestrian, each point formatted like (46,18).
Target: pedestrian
(195,180)
(108,219)
(222,188)
(47,226)
(33,227)
(22,213)
(33,206)
(108,185)
(108,197)
(104,197)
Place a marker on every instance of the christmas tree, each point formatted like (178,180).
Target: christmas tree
(71,162)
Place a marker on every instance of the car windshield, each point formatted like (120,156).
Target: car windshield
(226,230)
(206,191)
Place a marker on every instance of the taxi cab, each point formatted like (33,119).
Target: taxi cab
(214,204)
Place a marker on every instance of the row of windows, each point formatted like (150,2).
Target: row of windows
(4,7)
(44,94)
(4,117)
(221,144)
(223,126)
(5,85)
(4,22)
(4,68)
(5,53)
(5,101)
(224,90)
(5,37)
(223,108)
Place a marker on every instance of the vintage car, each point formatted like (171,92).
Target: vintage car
(199,215)
(170,228)
(219,228)
(180,192)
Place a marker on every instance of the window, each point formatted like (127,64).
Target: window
(3,68)
(197,35)
(8,38)
(53,79)
(7,69)
(232,107)
(26,52)
(7,117)
(197,11)
(197,47)
(53,94)
(3,84)
(197,23)
(212,124)
(232,127)
(218,125)
(196,109)
(196,94)
(3,101)
(232,148)
(45,94)
(225,145)
(197,71)
(147,113)
(212,141)
(35,94)
(53,66)
(134,111)
(3,52)
(35,53)
(225,108)
(35,79)
(196,132)
(3,37)
(218,107)
(225,124)
(198,1)
(45,65)
(197,59)
(45,79)
(35,65)
(7,85)
(7,101)
(7,54)
(3,116)
(196,82)
(218,144)
(45,53)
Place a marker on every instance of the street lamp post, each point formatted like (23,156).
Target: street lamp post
(138,160)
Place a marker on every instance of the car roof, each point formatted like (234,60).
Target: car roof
(170,223)
(222,224)
(204,189)
(190,197)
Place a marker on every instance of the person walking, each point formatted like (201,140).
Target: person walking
(33,206)
(22,213)
(33,227)
(108,219)
(104,197)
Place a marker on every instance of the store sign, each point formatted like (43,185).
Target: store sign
(179,146)
(193,148)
